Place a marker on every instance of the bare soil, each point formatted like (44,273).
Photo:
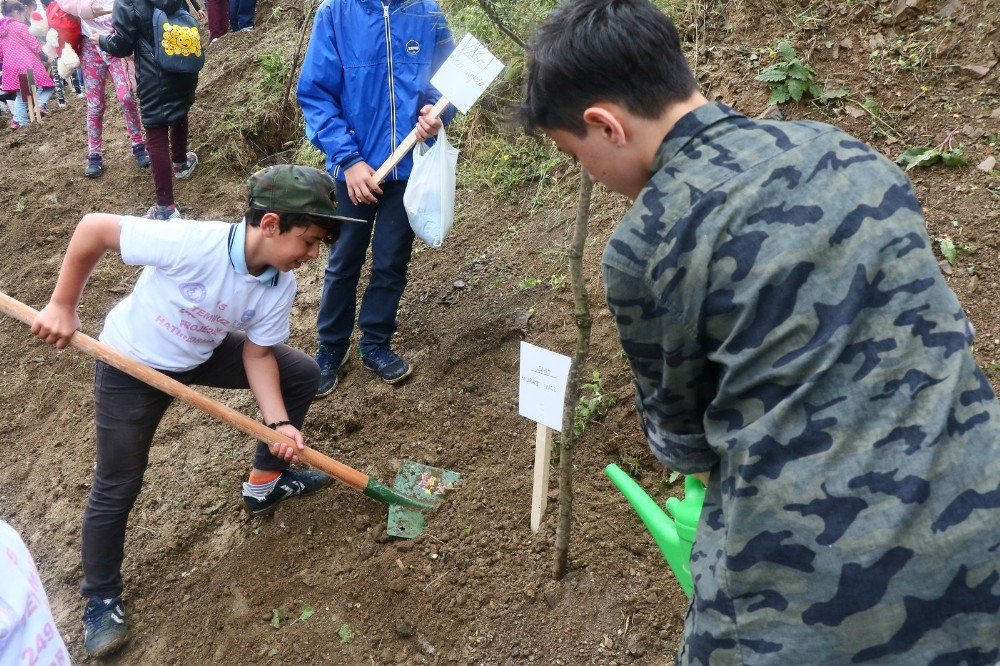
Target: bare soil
(205,583)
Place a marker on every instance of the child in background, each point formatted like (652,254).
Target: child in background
(20,52)
(211,308)
(164,97)
(98,67)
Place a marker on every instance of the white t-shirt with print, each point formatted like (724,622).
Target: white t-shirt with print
(189,296)
(28,634)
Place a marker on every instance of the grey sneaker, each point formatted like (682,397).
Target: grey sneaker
(184,169)
(158,212)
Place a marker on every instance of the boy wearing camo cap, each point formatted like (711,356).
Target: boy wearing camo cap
(211,308)
(792,337)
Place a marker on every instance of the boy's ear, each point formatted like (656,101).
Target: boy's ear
(608,120)
(270,225)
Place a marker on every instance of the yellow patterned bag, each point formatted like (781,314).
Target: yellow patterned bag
(177,46)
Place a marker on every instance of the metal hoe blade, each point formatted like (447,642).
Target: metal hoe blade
(428,486)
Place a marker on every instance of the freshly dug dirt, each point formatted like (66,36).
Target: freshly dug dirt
(320,582)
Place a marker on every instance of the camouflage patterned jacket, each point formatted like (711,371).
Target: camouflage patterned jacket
(789,329)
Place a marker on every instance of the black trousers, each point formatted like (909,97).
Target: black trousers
(127,412)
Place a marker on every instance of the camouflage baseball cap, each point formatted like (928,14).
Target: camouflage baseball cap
(293,188)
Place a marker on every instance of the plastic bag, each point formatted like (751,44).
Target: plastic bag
(429,198)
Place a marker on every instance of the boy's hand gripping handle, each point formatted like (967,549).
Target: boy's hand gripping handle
(408,143)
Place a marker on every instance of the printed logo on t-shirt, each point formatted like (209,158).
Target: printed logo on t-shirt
(193,291)
(413,47)
(245,319)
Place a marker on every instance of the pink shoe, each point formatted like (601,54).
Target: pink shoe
(14,124)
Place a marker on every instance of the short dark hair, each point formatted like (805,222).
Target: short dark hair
(623,51)
(288,221)
(11,7)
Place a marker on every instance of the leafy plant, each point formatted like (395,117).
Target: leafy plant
(528,283)
(307,612)
(789,78)
(278,617)
(948,250)
(924,156)
(594,404)
(345,633)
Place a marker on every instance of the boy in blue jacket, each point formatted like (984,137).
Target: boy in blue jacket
(210,308)
(365,83)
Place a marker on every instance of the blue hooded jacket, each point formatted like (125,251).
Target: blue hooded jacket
(366,75)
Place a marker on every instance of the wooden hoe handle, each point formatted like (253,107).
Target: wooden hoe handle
(83,342)
(408,143)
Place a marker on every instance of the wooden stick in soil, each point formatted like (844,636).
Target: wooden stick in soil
(540,485)
(338,470)
(581,314)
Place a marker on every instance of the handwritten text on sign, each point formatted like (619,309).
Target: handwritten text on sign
(467,72)
(542,389)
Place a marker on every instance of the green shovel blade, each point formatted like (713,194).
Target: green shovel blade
(425,488)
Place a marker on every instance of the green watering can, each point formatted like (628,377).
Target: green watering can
(674,535)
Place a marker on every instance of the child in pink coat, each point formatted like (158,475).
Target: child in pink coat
(20,52)
(98,67)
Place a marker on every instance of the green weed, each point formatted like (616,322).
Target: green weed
(594,404)
(924,156)
(790,78)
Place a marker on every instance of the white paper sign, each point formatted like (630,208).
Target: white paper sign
(542,390)
(467,72)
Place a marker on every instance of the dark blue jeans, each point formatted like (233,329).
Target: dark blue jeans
(241,14)
(126,413)
(392,244)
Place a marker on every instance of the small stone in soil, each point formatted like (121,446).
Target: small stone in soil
(404,628)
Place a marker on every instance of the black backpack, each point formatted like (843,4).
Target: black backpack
(176,42)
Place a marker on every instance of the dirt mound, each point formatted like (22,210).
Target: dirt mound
(321,582)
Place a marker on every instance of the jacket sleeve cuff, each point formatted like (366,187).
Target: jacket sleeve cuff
(350,161)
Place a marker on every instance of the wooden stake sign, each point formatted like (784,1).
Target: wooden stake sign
(541,394)
(26,83)
(463,77)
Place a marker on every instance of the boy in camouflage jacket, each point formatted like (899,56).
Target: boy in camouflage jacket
(790,335)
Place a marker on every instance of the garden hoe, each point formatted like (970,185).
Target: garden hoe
(418,488)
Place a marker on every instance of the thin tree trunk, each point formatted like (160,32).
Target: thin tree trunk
(491,12)
(581,313)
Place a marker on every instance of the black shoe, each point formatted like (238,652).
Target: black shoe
(95,166)
(329,360)
(386,364)
(291,483)
(104,630)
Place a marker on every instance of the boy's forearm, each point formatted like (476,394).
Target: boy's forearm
(265,381)
(94,235)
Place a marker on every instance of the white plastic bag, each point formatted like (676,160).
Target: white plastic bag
(429,198)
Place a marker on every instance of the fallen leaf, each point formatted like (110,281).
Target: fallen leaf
(988,164)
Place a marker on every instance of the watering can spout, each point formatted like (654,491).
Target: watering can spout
(674,535)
